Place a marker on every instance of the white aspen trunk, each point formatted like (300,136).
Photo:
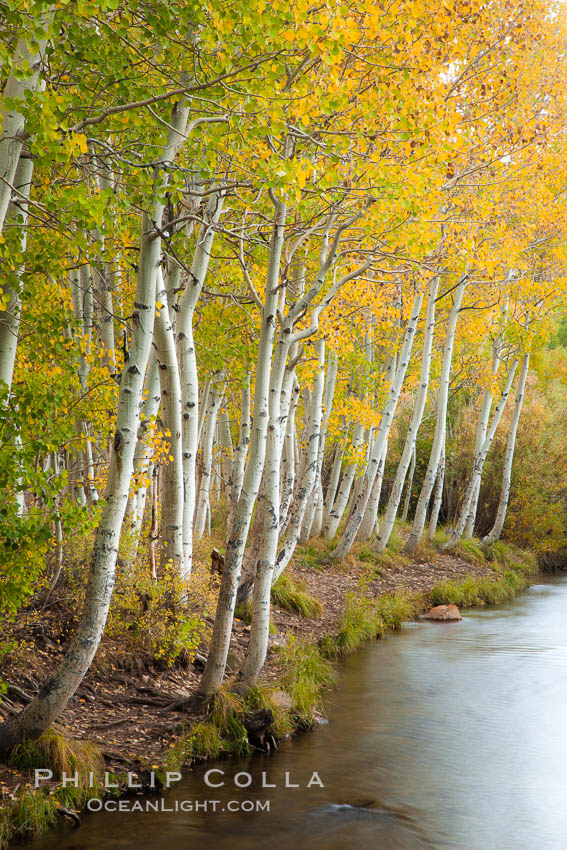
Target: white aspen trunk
(35,718)
(496,530)
(10,316)
(143,452)
(341,501)
(409,486)
(290,458)
(88,325)
(203,499)
(481,429)
(438,495)
(225,446)
(351,529)
(189,378)
(216,664)
(286,341)
(308,477)
(313,522)
(308,515)
(11,121)
(464,513)
(369,439)
(264,565)
(105,280)
(240,454)
(172,474)
(408,452)
(441,418)
(317,525)
(370,519)
(203,410)
(334,477)
(280,383)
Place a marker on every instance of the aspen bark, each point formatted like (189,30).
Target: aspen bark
(240,454)
(478,465)
(189,377)
(170,391)
(308,477)
(388,412)
(203,499)
(482,426)
(260,624)
(408,452)
(370,519)
(214,671)
(409,486)
(12,136)
(496,530)
(437,495)
(441,417)
(10,316)
(341,501)
(143,451)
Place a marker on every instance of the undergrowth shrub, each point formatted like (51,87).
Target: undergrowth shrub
(165,618)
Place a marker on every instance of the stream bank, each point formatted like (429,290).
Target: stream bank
(121,719)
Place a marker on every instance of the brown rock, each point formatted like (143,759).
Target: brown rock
(444,613)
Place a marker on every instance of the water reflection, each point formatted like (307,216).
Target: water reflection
(443,736)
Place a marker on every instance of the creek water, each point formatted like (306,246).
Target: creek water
(439,736)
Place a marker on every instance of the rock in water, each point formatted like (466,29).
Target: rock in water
(444,614)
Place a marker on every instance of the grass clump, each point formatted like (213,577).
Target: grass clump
(202,743)
(503,554)
(294,597)
(361,622)
(31,815)
(470,550)
(261,696)
(315,554)
(394,610)
(62,755)
(364,619)
(480,591)
(306,675)
(227,713)
(398,536)
(34,812)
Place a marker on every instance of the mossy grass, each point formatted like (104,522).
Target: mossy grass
(227,712)
(60,754)
(484,590)
(316,554)
(470,550)
(261,696)
(360,622)
(365,619)
(505,554)
(306,674)
(440,537)
(203,742)
(223,733)
(33,813)
(294,597)
(398,536)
